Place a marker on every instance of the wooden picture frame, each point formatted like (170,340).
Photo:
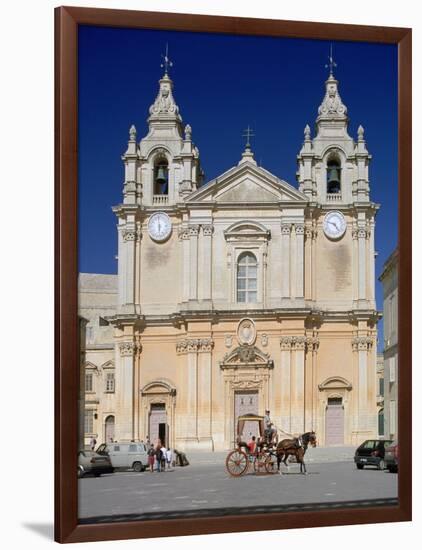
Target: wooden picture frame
(67,20)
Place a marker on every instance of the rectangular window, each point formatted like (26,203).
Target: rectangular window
(381,386)
(392,365)
(110,382)
(88,382)
(89,421)
(392,417)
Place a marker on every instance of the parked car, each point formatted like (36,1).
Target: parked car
(392,457)
(89,462)
(371,453)
(125,455)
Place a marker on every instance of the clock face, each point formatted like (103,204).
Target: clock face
(159,226)
(334,225)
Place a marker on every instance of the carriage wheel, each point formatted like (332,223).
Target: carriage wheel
(271,464)
(237,463)
(259,464)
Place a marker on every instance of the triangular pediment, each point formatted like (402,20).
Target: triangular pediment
(247,183)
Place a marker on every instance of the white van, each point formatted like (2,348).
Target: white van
(125,455)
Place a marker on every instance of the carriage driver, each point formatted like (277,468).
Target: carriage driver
(269,430)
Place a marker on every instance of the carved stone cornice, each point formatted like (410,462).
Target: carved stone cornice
(299,343)
(362,343)
(128,349)
(194,345)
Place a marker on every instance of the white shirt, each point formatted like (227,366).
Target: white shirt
(168,455)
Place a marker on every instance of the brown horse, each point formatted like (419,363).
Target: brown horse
(295,447)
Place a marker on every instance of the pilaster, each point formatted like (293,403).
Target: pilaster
(285,259)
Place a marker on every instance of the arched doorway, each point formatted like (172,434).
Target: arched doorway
(109,428)
(157,420)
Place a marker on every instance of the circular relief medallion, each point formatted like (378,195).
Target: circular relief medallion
(159,226)
(246,332)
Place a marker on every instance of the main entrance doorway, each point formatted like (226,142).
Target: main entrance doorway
(334,421)
(158,427)
(246,402)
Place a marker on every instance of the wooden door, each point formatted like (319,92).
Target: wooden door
(334,422)
(246,402)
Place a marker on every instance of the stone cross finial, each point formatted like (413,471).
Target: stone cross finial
(248,133)
(331,63)
(166,64)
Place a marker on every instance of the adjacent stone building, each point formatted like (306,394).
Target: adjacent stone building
(389,280)
(237,295)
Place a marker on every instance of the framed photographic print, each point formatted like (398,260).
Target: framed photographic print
(233,274)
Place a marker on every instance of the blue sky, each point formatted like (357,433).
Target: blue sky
(222,85)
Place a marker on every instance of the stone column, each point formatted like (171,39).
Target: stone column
(125,389)
(361,235)
(300,251)
(285,345)
(285,260)
(188,425)
(298,384)
(371,263)
(193,252)
(312,344)
(129,237)
(206,277)
(184,237)
(308,264)
(121,265)
(204,419)
(362,345)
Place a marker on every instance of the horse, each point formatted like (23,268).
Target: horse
(296,447)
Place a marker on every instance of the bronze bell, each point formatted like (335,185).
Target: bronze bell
(333,175)
(161,175)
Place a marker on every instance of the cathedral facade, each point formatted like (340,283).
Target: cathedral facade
(237,295)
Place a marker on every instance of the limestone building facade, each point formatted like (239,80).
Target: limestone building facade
(238,295)
(389,280)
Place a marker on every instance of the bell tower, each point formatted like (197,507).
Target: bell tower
(164,167)
(332,167)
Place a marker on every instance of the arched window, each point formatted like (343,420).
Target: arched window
(161,177)
(247,278)
(333,176)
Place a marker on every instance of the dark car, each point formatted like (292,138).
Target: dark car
(90,462)
(371,453)
(392,457)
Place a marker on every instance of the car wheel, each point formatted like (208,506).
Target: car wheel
(381,465)
(137,466)
(359,466)
(80,472)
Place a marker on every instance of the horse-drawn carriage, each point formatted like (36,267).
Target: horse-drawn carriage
(267,454)
(262,459)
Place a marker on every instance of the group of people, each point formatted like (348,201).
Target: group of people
(160,458)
